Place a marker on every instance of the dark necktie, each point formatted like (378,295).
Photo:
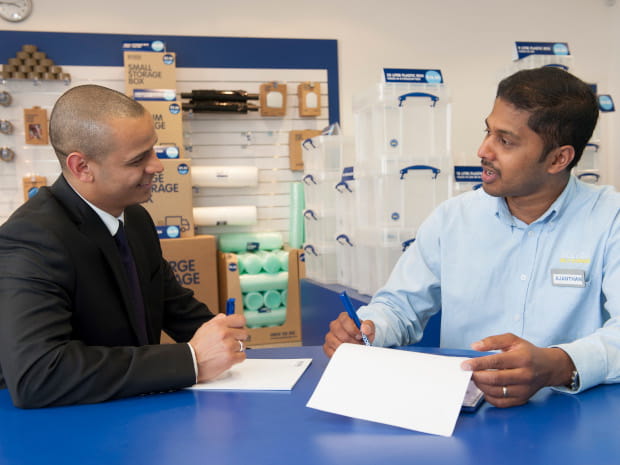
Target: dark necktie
(134,284)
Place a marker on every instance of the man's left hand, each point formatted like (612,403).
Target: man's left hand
(511,377)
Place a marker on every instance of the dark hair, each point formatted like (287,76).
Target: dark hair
(563,108)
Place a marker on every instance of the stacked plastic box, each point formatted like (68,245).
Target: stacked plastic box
(329,201)
(402,171)
(321,157)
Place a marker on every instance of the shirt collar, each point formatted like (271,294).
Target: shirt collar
(502,211)
(110,221)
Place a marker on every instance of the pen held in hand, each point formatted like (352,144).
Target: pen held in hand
(230,306)
(346,301)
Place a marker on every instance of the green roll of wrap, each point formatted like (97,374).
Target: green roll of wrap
(261,319)
(269,261)
(249,263)
(263,281)
(296,219)
(253,300)
(283,257)
(243,242)
(273,299)
(284,296)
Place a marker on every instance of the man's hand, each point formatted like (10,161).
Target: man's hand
(217,347)
(343,329)
(510,378)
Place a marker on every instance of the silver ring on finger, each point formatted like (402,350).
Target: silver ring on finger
(241,345)
(504,391)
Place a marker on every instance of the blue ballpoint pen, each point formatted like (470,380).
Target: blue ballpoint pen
(230,306)
(349,307)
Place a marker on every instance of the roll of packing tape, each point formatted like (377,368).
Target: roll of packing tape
(217,216)
(224,176)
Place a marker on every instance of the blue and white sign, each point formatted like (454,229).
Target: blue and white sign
(525,49)
(606,103)
(168,232)
(155,95)
(468,173)
(424,76)
(144,46)
(183,168)
(166,151)
(168,59)
(174,108)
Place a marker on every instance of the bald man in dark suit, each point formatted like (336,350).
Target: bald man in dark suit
(73,329)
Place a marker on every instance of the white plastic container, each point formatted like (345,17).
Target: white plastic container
(346,260)
(321,264)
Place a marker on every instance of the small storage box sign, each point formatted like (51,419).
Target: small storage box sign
(170,205)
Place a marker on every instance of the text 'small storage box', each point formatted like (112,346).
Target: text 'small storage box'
(288,333)
(194,263)
(170,205)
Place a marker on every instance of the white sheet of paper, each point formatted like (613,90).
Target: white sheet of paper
(259,375)
(417,391)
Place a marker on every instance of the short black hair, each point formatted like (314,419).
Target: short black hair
(564,109)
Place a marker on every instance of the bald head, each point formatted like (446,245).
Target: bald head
(80,120)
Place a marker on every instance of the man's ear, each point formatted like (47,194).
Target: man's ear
(79,166)
(560,158)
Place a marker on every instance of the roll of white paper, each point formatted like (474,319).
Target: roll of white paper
(224,176)
(217,216)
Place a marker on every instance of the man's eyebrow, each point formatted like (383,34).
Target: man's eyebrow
(504,132)
(139,157)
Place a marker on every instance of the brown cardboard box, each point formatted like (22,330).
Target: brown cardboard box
(194,262)
(149,70)
(288,333)
(170,205)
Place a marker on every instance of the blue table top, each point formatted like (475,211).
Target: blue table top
(277,428)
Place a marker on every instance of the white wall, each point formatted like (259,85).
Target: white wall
(471,41)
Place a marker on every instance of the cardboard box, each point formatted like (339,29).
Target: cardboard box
(170,205)
(166,113)
(288,333)
(194,262)
(149,70)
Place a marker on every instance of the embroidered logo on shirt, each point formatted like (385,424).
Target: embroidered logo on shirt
(568,278)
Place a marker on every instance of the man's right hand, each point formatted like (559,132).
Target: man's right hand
(217,347)
(343,329)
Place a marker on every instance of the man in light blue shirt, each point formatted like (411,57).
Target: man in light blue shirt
(528,266)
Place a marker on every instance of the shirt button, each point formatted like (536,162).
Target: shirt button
(523,277)
(517,318)
(530,233)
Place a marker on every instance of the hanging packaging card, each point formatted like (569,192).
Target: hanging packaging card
(272,99)
(309,94)
(35,122)
(295,139)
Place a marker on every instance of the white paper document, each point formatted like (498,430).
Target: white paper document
(412,390)
(255,374)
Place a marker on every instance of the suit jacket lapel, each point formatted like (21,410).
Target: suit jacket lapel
(90,224)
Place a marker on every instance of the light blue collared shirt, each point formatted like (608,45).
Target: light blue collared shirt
(489,273)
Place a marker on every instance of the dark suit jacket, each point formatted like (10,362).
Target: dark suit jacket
(66,329)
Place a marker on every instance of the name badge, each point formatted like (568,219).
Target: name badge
(568,278)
